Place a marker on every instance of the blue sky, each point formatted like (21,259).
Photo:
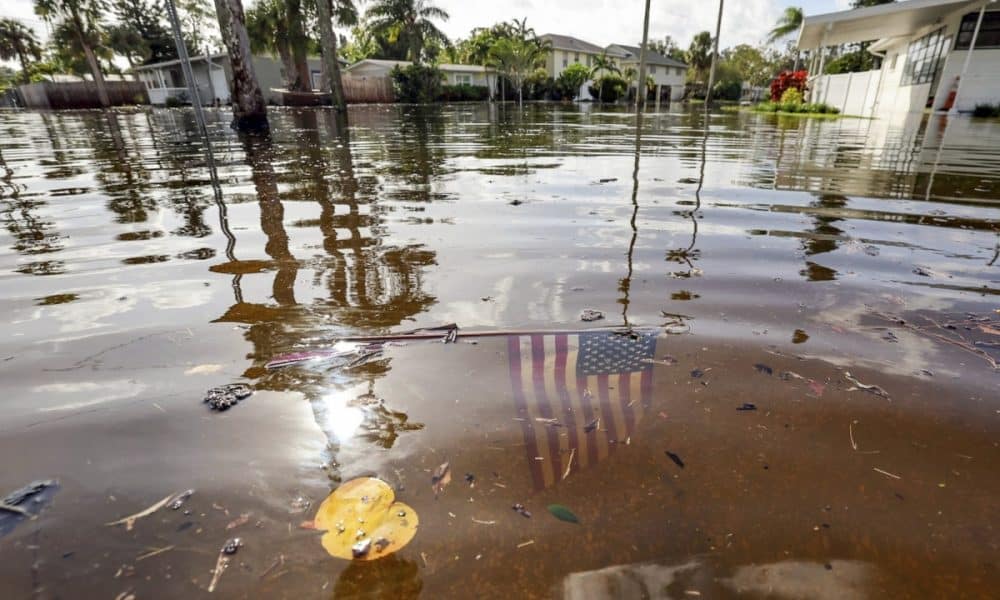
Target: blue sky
(599,21)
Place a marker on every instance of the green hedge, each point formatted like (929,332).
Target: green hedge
(797,107)
(464,92)
(986,110)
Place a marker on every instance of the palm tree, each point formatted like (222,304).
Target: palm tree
(407,21)
(84,18)
(268,32)
(346,14)
(18,41)
(603,63)
(790,22)
(249,110)
(699,54)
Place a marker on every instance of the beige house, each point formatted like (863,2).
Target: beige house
(568,50)
(668,74)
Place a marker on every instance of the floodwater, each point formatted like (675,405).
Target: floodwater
(806,404)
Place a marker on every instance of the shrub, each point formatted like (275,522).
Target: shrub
(796,108)
(791,96)
(417,83)
(608,88)
(539,86)
(986,110)
(569,81)
(788,79)
(464,92)
(727,90)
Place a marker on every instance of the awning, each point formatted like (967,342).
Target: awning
(877,22)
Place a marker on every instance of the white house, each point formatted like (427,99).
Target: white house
(568,50)
(212,75)
(454,74)
(940,54)
(668,74)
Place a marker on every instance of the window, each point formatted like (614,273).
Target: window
(925,57)
(565,62)
(652,69)
(680,72)
(576,57)
(989,31)
(463,79)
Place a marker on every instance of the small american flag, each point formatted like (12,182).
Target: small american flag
(563,382)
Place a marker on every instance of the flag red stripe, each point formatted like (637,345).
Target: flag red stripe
(568,418)
(543,401)
(514,357)
(588,416)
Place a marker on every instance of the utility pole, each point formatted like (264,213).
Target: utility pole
(715,58)
(640,104)
(185,61)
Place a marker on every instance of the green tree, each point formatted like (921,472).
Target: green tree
(571,79)
(516,59)
(267,28)
(408,23)
(19,42)
(666,47)
(867,3)
(699,56)
(602,65)
(789,22)
(146,18)
(8,77)
(84,18)
(755,66)
(198,23)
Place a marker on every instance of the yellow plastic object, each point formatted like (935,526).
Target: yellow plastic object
(363,521)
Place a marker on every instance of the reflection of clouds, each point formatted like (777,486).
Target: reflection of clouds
(479,312)
(548,303)
(96,392)
(90,311)
(837,580)
(178,294)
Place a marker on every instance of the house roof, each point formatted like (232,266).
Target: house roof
(170,63)
(567,42)
(652,57)
(876,22)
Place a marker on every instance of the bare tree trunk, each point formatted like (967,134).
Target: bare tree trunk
(331,62)
(299,42)
(95,67)
(24,65)
(287,65)
(249,110)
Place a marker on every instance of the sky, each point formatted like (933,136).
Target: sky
(601,22)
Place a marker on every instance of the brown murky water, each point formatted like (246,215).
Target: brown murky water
(772,270)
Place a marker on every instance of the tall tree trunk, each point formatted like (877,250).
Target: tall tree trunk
(24,65)
(331,62)
(287,65)
(249,110)
(299,42)
(95,67)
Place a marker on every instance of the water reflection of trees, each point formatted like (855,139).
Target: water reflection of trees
(824,237)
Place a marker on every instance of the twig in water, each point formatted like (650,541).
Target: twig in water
(130,520)
(528,543)
(280,561)
(871,389)
(220,568)
(850,430)
(153,553)
(475,520)
(569,463)
(886,473)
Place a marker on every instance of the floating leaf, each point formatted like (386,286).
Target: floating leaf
(361,510)
(562,513)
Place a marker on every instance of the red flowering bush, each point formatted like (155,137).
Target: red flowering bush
(786,80)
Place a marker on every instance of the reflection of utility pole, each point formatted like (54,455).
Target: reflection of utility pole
(626,281)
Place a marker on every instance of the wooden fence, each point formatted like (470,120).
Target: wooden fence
(368,89)
(81,94)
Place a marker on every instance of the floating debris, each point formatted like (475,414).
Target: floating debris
(675,458)
(239,521)
(589,427)
(607,179)
(747,406)
(871,389)
(521,510)
(222,562)
(360,549)
(226,396)
(562,513)
(697,373)
(589,314)
(886,473)
(687,180)
(762,368)
(25,503)
(441,478)
(181,499)
(130,520)
(569,463)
